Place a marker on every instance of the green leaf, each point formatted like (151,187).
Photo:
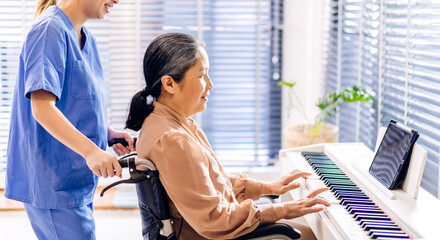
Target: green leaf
(286,84)
(332,103)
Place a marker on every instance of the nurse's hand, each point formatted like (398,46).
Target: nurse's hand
(119,148)
(103,164)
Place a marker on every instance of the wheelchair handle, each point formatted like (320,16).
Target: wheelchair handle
(121,141)
(130,161)
(124,161)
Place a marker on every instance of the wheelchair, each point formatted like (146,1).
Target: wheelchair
(153,205)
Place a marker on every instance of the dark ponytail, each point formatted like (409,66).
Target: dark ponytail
(139,110)
(169,54)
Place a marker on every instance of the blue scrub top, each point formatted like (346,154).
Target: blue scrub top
(40,170)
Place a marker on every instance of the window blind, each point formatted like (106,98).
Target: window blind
(330,47)
(398,60)
(243,117)
(243,41)
(15,18)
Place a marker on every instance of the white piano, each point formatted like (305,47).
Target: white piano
(414,210)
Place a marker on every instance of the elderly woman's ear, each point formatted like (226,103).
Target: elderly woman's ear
(168,84)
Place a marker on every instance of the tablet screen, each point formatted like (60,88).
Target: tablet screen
(390,154)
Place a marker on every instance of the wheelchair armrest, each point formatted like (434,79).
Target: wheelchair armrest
(275,230)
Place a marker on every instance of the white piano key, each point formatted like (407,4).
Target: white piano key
(345,223)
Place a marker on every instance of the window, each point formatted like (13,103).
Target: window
(243,40)
(391,48)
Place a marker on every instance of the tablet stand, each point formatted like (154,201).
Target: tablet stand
(413,177)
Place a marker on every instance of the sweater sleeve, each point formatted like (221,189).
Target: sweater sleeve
(245,188)
(184,172)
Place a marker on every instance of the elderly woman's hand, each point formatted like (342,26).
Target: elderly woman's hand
(119,148)
(284,184)
(311,204)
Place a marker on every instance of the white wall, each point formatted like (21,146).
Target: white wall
(302,57)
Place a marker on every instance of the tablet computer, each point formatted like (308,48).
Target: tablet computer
(391,161)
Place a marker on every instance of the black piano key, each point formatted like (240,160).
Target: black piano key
(366,208)
(330,180)
(377,231)
(329,176)
(340,183)
(356,205)
(327,170)
(365,222)
(324,166)
(346,202)
(308,153)
(357,214)
(339,187)
(389,238)
(381,226)
(350,199)
(348,192)
(382,217)
(389,235)
(330,172)
(320,161)
(318,158)
(360,196)
(334,176)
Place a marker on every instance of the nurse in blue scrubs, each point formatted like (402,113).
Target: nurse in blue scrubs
(58,133)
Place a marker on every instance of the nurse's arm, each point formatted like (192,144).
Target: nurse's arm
(53,121)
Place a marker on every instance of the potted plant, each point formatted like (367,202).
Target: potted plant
(319,131)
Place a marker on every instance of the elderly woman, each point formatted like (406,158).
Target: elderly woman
(205,203)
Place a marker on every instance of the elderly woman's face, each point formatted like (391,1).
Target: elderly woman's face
(193,91)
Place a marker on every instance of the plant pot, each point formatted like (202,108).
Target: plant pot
(297,136)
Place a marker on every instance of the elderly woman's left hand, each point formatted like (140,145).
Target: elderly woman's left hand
(119,148)
(284,184)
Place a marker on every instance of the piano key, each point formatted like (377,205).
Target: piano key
(314,161)
(329,176)
(324,166)
(345,187)
(378,226)
(330,171)
(388,238)
(320,158)
(359,196)
(350,199)
(380,231)
(336,185)
(354,211)
(381,217)
(359,201)
(339,181)
(360,214)
(365,222)
(389,235)
(308,153)
(354,189)
(363,207)
(358,205)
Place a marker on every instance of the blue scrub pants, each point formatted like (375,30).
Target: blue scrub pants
(62,224)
